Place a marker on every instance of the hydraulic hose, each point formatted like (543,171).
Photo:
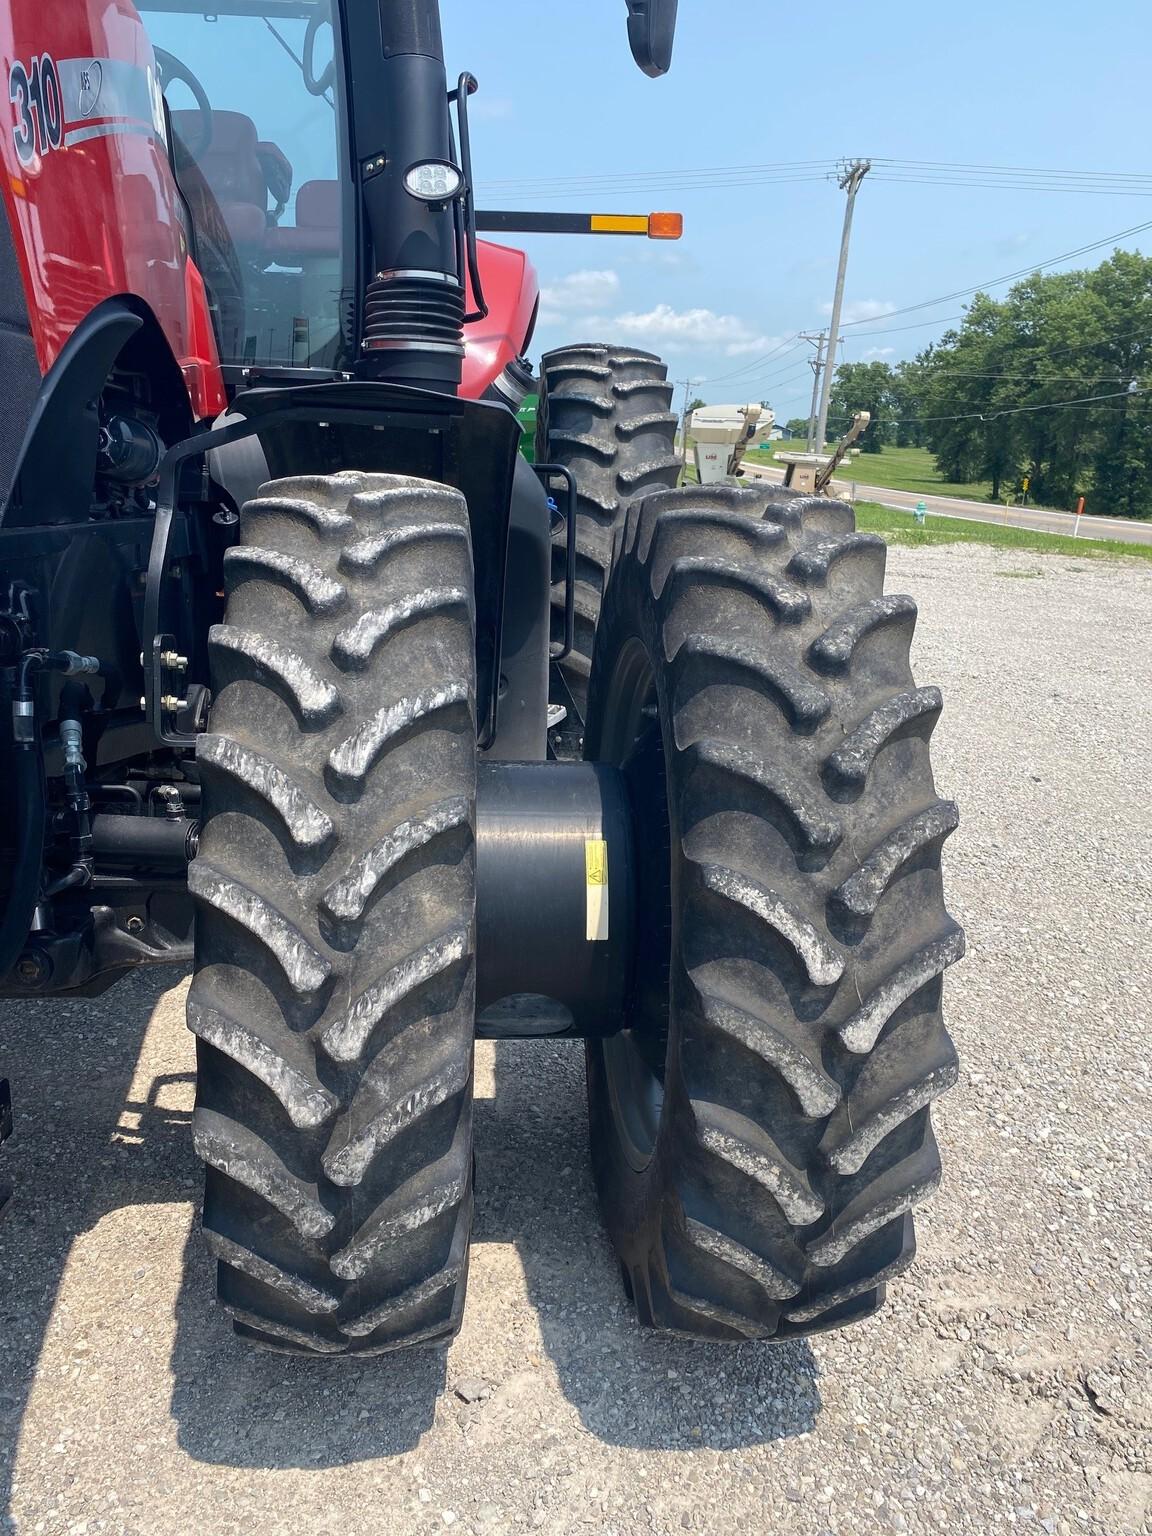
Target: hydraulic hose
(29,801)
(73,698)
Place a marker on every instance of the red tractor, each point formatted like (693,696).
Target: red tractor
(313,682)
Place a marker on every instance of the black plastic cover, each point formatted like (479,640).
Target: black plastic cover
(320,429)
(651,34)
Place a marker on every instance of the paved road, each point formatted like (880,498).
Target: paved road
(1042,519)
(1005,1389)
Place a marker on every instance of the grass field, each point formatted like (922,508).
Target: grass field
(899,528)
(896,469)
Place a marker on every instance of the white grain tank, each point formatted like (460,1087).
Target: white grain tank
(723,433)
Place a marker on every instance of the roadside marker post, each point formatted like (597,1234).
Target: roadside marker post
(1079,515)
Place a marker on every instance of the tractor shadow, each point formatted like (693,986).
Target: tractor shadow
(73,1158)
(631,1388)
(236,1406)
(241,1407)
(102,1092)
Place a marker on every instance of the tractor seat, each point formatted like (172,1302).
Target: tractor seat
(241,171)
(317,228)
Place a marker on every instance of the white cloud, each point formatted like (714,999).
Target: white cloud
(586,297)
(1010,243)
(877,352)
(578,293)
(861,309)
(657,253)
(677,329)
(491,109)
(757,344)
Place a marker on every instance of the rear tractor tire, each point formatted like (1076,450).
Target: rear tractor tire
(760,1130)
(605,414)
(333,995)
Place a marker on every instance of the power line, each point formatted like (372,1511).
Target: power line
(1105,341)
(676,184)
(746,370)
(659,189)
(618,177)
(965,165)
(1080,346)
(777,383)
(771,383)
(917,325)
(1013,186)
(964,373)
(941,171)
(723,178)
(1008,277)
(776,380)
(763,383)
(1028,378)
(755,363)
(655,179)
(1014,410)
(633,183)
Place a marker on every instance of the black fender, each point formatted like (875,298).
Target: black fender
(120,333)
(241,468)
(522,723)
(66,413)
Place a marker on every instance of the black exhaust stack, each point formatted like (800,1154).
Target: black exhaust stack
(412,322)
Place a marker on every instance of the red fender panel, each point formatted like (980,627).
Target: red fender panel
(511,293)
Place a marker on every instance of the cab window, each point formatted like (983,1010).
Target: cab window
(252,96)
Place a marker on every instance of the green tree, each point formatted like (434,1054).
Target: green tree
(966,388)
(1048,382)
(862,387)
(1120,456)
(907,404)
(796,427)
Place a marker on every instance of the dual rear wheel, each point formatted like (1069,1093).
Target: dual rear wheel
(760,1128)
(333,998)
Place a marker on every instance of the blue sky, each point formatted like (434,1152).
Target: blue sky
(1019,83)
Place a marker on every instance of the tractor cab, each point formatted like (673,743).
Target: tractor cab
(315,245)
(253,104)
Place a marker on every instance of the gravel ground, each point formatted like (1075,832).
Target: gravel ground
(1006,1384)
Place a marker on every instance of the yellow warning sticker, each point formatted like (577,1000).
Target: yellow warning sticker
(596,889)
(596,860)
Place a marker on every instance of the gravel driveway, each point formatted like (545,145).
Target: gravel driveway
(1006,1385)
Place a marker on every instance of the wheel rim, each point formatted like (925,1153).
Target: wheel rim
(635,1059)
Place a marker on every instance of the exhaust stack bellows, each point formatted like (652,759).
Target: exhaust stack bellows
(414,328)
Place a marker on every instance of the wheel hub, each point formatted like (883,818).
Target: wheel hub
(555,903)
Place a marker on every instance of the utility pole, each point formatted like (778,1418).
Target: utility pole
(816,364)
(854,174)
(687,383)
